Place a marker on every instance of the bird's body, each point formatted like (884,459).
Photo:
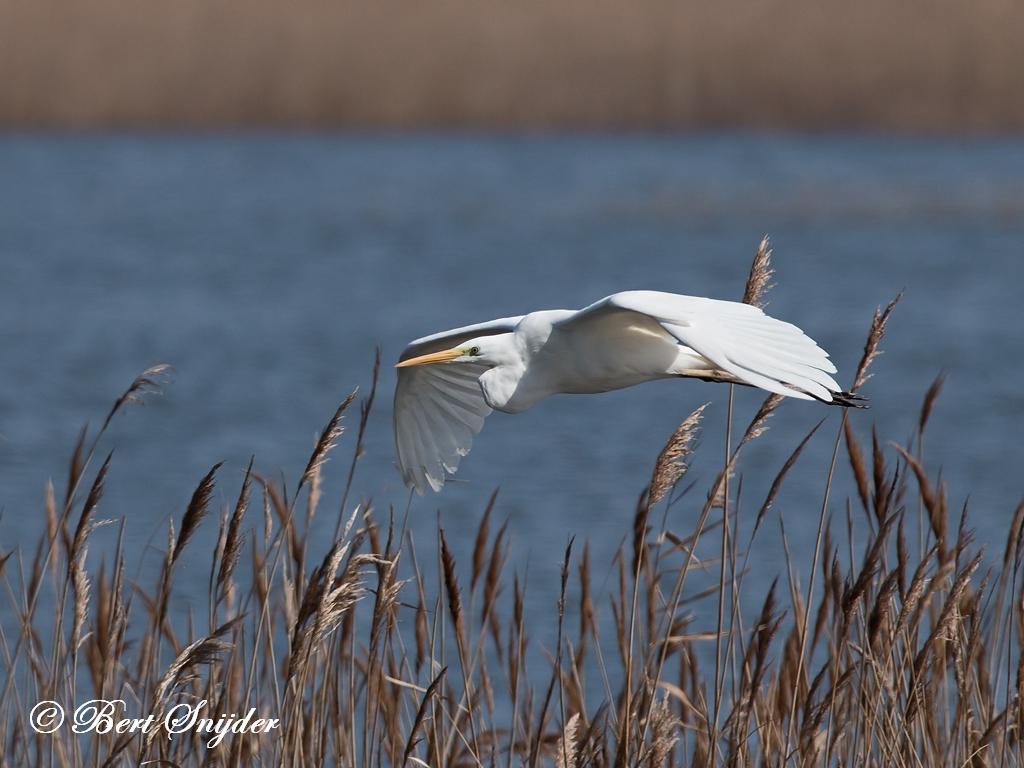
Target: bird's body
(601,356)
(449,382)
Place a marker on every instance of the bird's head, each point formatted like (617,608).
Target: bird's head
(484,350)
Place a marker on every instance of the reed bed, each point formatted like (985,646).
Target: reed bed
(912,66)
(901,648)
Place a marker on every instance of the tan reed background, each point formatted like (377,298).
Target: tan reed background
(905,65)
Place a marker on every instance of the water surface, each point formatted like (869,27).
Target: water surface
(267,269)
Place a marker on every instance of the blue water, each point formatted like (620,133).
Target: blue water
(268,268)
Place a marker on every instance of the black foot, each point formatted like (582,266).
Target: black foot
(849,400)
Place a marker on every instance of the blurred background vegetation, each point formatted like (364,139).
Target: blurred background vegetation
(904,65)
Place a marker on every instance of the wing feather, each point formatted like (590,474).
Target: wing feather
(439,408)
(738,338)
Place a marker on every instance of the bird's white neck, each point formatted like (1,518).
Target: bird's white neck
(499,385)
(508,386)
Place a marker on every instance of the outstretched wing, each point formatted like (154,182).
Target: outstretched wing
(737,338)
(438,408)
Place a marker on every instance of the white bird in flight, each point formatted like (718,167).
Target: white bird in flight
(450,381)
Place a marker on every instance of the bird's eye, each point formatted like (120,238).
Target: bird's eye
(474,351)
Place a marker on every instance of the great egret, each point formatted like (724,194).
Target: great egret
(449,382)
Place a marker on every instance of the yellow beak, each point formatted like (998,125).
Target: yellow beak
(433,357)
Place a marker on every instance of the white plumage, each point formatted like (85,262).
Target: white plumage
(449,382)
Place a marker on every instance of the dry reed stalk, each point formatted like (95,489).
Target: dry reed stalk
(480,547)
(52,530)
(777,482)
(364,416)
(421,714)
(76,573)
(233,537)
(855,594)
(671,463)
(760,273)
(492,588)
(718,495)
(76,468)
(588,625)
(455,611)
(327,596)
(556,676)
(1015,538)
(640,531)
(935,503)
(197,509)
(451,584)
(567,749)
(421,635)
(572,682)
(106,643)
(828,589)
(759,424)
(753,671)
(84,525)
(883,485)
(880,618)
(663,727)
(326,442)
(146,383)
(182,670)
(929,402)
(948,617)
(871,350)
(517,643)
(856,458)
